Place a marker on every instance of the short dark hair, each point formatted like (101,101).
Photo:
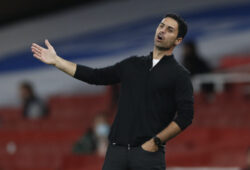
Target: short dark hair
(27,86)
(182,25)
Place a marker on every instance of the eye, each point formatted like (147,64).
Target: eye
(170,30)
(161,25)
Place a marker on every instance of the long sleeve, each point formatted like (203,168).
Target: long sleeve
(100,76)
(184,101)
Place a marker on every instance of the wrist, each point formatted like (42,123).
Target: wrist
(58,61)
(157,141)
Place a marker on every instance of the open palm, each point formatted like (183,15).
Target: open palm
(47,56)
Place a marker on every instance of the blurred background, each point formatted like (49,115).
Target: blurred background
(50,121)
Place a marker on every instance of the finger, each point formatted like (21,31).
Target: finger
(37,46)
(48,44)
(37,53)
(35,50)
(37,56)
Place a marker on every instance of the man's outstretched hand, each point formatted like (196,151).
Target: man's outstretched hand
(47,56)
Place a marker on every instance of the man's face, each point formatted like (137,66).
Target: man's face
(166,34)
(24,93)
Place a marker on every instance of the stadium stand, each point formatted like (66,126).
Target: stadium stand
(219,135)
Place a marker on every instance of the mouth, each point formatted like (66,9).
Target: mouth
(159,37)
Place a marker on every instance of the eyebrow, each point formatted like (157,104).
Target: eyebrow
(162,23)
(169,27)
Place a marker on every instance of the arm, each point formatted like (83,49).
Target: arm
(166,134)
(103,76)
(172,130)
(184,102)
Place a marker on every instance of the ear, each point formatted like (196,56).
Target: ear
(178,41)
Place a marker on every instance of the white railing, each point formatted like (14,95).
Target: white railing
(219,80)
(204,168)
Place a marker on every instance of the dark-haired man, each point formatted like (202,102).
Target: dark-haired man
(32,106)
(156,99)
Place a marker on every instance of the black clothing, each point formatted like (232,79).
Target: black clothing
(87,144)
(34,108)
(134,158)
(149,97)
(196,65)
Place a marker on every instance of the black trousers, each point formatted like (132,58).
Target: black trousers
(133,158)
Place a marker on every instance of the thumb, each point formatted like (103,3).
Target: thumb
(48,44)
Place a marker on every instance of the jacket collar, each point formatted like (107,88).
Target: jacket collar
(164,58)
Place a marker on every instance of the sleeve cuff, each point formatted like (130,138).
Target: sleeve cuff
(181,124)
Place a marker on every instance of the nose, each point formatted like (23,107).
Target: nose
(162,32)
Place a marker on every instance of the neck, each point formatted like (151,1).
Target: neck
(158,54)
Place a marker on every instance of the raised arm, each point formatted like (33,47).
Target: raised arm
(102,76)
(49,56)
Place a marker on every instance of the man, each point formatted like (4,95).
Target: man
(193,61)
(32,106)
(196,65)
(156,99)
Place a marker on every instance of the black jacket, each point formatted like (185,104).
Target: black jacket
(149,97)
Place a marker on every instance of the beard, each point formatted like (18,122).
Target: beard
(162,48)
(166,47)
